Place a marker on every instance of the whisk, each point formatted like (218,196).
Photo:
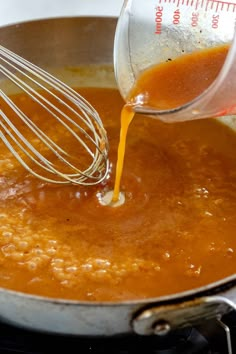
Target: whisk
(68,113)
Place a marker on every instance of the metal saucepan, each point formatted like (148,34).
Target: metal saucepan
(58,43)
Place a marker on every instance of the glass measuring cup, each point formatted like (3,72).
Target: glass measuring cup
(154,31)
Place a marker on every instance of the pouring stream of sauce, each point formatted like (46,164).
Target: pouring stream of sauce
(127,116)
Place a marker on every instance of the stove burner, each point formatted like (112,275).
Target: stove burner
(209,338)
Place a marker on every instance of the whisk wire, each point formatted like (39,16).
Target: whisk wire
(89,124)
(49,79)
(37,97)
(37,132)
(40,156)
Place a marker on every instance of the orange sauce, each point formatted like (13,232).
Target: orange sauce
(176,82)
(169,85)
(175,231)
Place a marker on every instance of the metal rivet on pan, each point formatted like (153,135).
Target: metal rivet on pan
(161,328)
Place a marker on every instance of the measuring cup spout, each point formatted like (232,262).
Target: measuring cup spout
(153,32)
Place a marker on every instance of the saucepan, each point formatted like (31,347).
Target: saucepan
(69,42)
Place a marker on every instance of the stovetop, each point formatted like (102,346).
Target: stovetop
(209,338)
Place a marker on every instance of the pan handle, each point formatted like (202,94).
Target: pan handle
(162,319)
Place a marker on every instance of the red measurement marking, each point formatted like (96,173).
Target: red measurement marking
(158,20)
(228,6)
(217,5)
(225,2)
(222,3)
(207,5)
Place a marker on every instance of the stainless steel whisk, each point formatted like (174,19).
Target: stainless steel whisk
(70,111)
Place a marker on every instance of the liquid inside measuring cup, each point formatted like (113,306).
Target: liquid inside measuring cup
(176,82)
(166,86)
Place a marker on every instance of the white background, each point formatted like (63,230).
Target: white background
(12,11)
